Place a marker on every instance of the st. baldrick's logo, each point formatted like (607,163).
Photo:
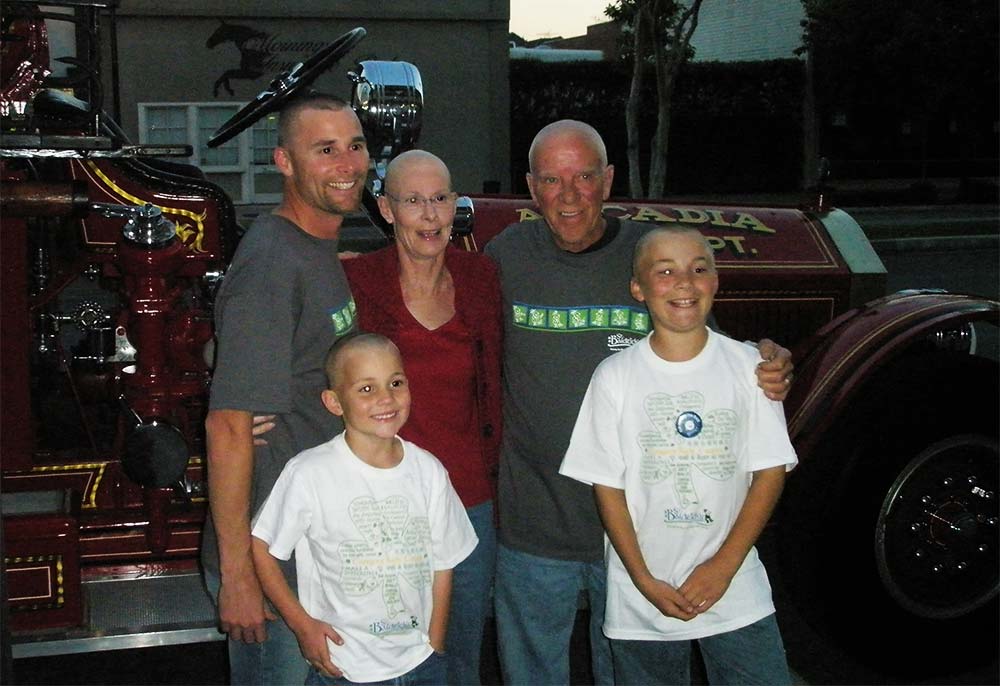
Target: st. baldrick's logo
(691,216)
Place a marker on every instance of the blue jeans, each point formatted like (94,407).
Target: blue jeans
(471,587)
(431,672)
(278,660)
(536,605)
(751,655)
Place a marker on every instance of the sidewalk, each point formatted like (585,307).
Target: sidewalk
(907,192)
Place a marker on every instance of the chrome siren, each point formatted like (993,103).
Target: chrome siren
(389,100)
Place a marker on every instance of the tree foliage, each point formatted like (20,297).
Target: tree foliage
(661,32)
(910,60)
(734,127)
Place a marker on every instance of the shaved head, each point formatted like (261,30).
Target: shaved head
(345,345)
(567,129)
(413,161)
(642,245)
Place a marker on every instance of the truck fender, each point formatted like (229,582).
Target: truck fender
(834,364)
(893,507)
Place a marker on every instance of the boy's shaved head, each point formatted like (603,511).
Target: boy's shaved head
(355,341)
(644,241)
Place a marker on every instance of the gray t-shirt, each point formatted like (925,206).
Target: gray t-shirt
(563,314)
(283,303)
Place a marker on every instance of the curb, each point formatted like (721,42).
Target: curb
(924,243)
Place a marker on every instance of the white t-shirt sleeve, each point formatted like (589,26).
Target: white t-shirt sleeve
(767,442)
(452,537)
(286,514)
(594,455)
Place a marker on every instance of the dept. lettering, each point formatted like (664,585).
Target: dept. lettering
(677,215)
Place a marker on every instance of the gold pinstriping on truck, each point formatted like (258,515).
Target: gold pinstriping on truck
(142,549)
(58,598)
(746,221)
(190,236)
(861,346)
(93,470)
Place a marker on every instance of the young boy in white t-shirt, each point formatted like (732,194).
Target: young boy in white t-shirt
(376,528)
(687,458)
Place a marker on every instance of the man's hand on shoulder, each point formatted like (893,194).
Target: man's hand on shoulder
(774,374)
(262,423)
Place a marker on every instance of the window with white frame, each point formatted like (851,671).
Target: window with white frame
(165,125)
(265,138)
(208,120)
(243,166)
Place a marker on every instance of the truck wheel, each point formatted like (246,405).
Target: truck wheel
(889,536)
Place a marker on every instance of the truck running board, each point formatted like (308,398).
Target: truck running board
(131,613)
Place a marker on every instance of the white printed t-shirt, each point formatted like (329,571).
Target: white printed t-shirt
(374,538)
(681,439)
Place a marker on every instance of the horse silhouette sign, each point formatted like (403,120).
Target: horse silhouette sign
(260,53)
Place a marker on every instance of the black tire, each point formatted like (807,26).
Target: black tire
(889,537)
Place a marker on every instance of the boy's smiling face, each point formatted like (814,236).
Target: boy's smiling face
(675,276)
(371,392)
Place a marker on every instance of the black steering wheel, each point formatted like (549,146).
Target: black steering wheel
(285,86)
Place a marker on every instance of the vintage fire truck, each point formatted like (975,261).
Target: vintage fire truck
(887,538)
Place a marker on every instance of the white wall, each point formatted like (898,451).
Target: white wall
(743,30)
(460,49)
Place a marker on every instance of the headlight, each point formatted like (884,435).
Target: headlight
(388,98)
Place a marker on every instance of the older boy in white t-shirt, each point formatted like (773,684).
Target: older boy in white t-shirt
(687,458)
(376,528)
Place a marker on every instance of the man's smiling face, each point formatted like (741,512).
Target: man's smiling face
(570,181)
(326,160)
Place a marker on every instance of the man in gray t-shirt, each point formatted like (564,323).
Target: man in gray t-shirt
(284,302)
(567,306)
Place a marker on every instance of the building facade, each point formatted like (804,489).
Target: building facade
(728,31)
(186,66)
(748,30)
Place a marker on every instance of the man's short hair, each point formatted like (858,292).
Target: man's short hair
(344,344)
(671,230)
(310,100)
